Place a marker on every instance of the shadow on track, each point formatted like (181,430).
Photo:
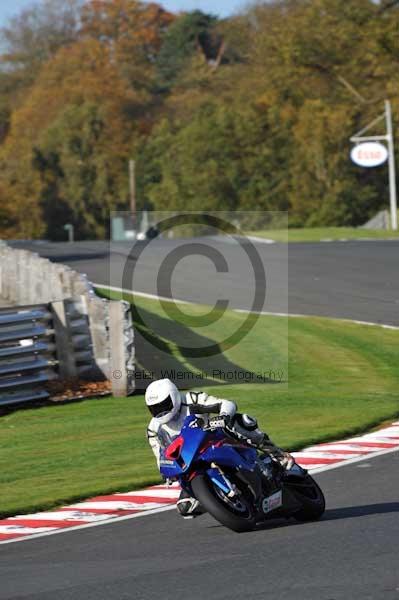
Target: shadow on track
(350,512)
(336,514)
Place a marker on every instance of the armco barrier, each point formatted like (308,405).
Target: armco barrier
(36,347)
(94,337)
(27,353)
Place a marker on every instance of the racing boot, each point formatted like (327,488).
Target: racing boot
(189,507)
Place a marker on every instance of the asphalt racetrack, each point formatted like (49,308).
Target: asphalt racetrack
(354,280)
(351,554)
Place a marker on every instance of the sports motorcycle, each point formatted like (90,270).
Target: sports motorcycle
(238,485)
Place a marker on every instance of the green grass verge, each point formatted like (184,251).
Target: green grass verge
(318,234)
(343,378)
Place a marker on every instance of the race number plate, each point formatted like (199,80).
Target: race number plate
(272,502)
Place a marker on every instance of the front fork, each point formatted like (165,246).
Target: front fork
(217,476)
(253,480)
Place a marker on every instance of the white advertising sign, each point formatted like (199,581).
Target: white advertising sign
(369,154)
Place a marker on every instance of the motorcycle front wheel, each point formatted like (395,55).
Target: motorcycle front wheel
(235,513)
(309,494)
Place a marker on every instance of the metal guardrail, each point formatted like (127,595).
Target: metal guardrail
(41,343)
(94,339)
(28,357)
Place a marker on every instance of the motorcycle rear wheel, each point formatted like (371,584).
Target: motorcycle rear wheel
(238,517)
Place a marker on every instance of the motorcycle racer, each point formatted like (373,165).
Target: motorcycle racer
(169,407)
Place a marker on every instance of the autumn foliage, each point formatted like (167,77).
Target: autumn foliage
(251,112)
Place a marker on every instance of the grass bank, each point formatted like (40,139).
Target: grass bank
(343,378)
(318,234)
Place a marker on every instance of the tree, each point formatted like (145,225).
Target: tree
(133,31)
(324,66)
(220,160)
(8,212)
(70,141)
(28,41)
(83,172)
(37,33)
(189,33)
(252,112)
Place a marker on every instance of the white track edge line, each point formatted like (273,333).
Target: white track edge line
(141,294)
(242,310)
(352,461)
(144,513)
(164,509)
(258,240)
(172,507)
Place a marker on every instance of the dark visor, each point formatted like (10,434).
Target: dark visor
(162,407)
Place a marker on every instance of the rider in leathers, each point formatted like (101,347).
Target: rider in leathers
(170,407)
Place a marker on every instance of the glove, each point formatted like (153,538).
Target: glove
(220,421)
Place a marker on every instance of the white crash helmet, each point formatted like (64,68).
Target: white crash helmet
(163,400)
